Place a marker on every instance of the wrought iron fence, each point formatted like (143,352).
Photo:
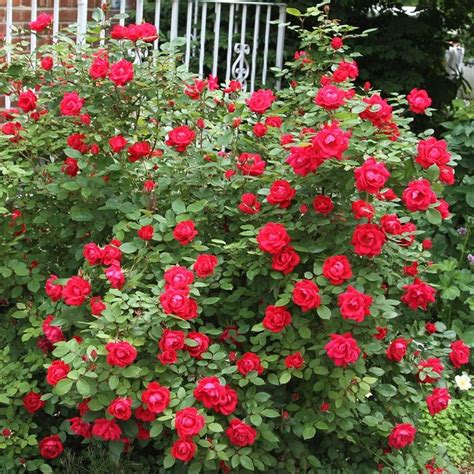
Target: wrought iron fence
(238,36)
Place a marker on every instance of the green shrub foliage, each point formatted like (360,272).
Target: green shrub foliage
(215,279)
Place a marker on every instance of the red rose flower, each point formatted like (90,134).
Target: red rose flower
(345,70)
(202,344)
(418,295)
(50,447)
(342,349)
(304,160)
(120,353)
(381,333)
(115,276)
(337,269)
(178,278)
(180,138)
(362,209)
(432,152)
(146,232)
(371,176)
(27,101)
(430,328)
(209,391)
(108,430)
(272,238)
(121,408)
(391,224)
(53,333)
(121,72)
(251,164)
(446,175)
(275,122)
(80,427)
(323,205)
(117,143)
(184,449)
(97,306)
(402,435)
(459,354)
(438,400)
(168,357)
(368,240)
(418,100)
(281,194)
(32,402)
(70,167)
(240,434)
(260,101)
(306,295)
(184,232)
(330,142)
(249,362)
(443,209)
(379,115)
(189,422)
(330,97)
(99,68)
(411,270)
(286,260)
(149,186)
(397,349)
(430,370)
(354,305)
(276,318)
(43,20)
(418,195)
(155,397)
(249,204)
(205,265)
(260,130)
(144,414)
(294,361)
(138,150)
(92,253)
(71,104)
(57,371)
(177,302)
(75,291)
(337,43)
(427,244)
(111,254)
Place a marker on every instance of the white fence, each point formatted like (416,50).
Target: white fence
(239,36)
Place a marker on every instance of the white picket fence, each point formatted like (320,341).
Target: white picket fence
(247,32)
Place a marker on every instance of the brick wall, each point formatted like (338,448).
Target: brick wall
(22,11)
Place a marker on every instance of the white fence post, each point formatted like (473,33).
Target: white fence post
(81,20)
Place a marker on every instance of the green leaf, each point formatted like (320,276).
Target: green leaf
(309,432)
(285,377)
(168,461)
(324,312)
(83,387)
(293,11)
(80,214)
(63,387)
(215,427)
(128,247)
(113,382)
(433,216)
(178,206)
(246,462)
(197,206)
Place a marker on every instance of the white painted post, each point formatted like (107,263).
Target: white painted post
(229,42)
(174,19)
(189,22)
(8,40)
(217,26)
(243,26)
(255,47)
(203,39)
(139,12)
(55,20)
(265,47)
(280,41)
(81,20)
(157,22)
(34,14)
(122,11)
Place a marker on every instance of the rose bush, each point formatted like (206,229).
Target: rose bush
(225,280)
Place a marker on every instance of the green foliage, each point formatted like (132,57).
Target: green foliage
(452,429)
(105,200)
